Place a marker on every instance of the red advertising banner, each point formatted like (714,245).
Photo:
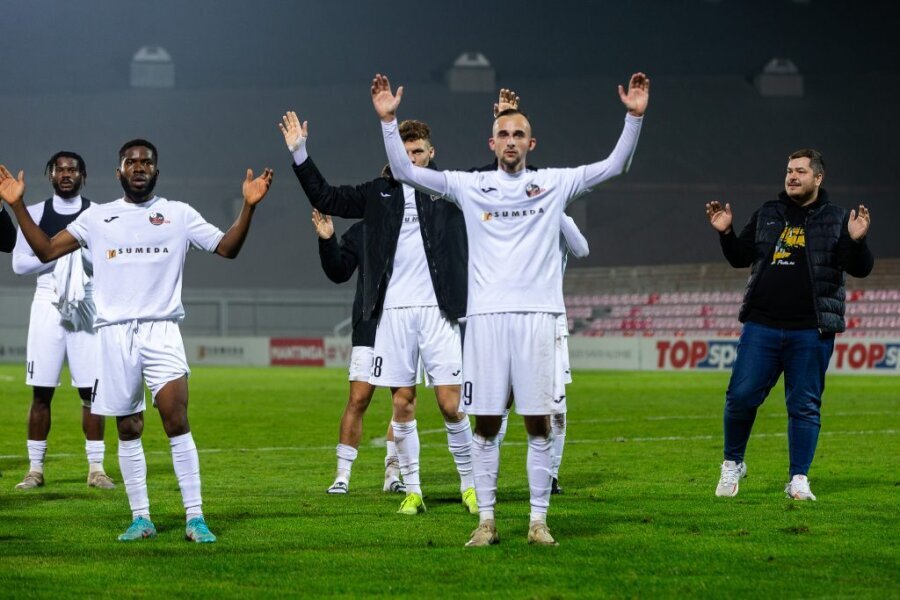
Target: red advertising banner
(297,352)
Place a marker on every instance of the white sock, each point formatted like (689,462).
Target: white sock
(134,473)
(95,450)
(486,466)
(502,433)
(539,449)
(345,457)
(459,441)
(406,436)
(187,470)
(37,449)
(558,426)
(391,454)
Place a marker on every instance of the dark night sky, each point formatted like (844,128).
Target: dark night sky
(239,64)
(86,46)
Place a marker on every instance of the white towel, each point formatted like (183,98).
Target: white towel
(76,302)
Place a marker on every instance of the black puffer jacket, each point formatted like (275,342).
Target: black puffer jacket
(830,253)
(380,204)
(7,232)
(339,261)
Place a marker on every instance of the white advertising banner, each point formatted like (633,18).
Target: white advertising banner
(227,350)
(688,354)
(337,351)
(612,353)
(872,356)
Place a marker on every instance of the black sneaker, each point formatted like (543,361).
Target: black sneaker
(554,486)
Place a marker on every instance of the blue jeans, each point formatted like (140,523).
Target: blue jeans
(764,353)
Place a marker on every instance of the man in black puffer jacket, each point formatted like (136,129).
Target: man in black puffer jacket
(798,247)
(415,287)
(339,261)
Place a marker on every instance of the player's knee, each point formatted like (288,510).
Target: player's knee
(558,421)
(403,395)
(85,394)
(537,425)
(488,426)
(42,397)
(130,427)
(359,402)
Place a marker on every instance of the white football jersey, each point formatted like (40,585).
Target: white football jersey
(24,260)
(513,225)
(138,251)
(410,283)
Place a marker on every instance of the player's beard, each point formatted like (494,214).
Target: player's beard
(139,195)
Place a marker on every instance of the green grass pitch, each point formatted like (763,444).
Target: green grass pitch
(638,517)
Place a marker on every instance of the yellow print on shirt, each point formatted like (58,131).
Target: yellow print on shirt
(791,239)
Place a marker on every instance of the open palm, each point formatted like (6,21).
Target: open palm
(12,189)
(383,99)
(255,189)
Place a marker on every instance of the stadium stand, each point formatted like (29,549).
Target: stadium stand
(704,299)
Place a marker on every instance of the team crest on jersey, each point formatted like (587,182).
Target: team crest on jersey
(532,190)
(157,218)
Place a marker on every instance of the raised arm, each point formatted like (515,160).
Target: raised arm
(12,190)
(341,201)
(576,242)
(739,251)
(24,261)
(386,103)
(619,160)
(254,191)
(853,251)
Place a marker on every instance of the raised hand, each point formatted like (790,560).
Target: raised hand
(323,225)
(858,225)
(508,99)
(384,101)
(294,132)
(11,189)
(255,190)
(720,218)
(638,94)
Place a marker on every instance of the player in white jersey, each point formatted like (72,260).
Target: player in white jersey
(571,241)
(138,245)
(515,284)
(414,278)
(61,324)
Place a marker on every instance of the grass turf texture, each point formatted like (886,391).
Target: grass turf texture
(638,517)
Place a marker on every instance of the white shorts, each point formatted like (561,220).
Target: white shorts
(49,343)
(132,353)
(361,358)
(511,352)
(361,363)
(563,374)
(406,334)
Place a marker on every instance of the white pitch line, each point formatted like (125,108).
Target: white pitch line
(614,440)
(718,417)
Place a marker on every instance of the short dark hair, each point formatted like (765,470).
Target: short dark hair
(137,142)
(514,111)
(82,168)
(411,130)
(816,162)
